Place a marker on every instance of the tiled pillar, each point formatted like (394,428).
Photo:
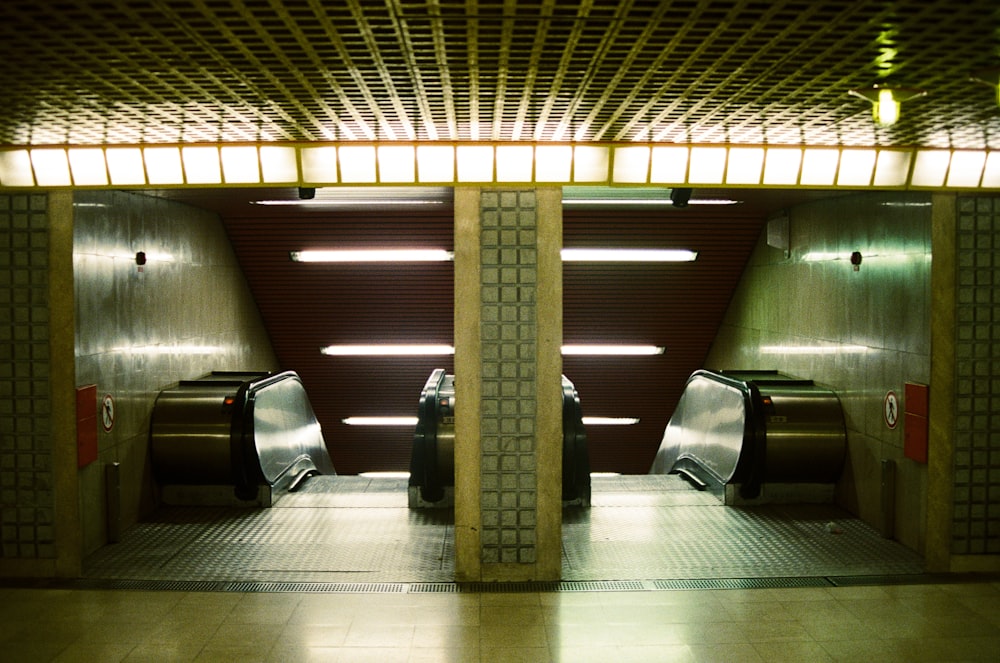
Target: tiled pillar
(39,523)
(508,332)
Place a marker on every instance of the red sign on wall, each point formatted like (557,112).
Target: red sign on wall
(86,425)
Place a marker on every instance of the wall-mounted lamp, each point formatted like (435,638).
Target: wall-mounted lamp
(989,77)
(680,197)
(886,101)
(856,260)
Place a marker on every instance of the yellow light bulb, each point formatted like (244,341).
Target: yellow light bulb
(886,109)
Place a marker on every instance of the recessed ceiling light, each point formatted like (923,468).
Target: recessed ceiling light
(373,255)
(431,350)
(613,350)
(380,421)
(355,202)
(628,255)
(387,350)
(610,421)
(662,202)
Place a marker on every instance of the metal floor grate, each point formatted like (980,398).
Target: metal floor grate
(636,533)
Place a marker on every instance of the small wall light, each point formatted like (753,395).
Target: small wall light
(989,77)
(680,197)
(886,100)
(856,260)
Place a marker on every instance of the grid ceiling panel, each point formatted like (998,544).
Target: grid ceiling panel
(734,71)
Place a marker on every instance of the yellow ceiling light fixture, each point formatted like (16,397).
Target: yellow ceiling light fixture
(886,101)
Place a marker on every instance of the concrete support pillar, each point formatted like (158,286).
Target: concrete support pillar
(941,447)
(508,367)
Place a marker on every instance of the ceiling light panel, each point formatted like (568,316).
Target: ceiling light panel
(613,350)
(388,350)
(51,167)
(319,165)
(628,255)
(372,255)
(15,169)
(88,166)
(240,164)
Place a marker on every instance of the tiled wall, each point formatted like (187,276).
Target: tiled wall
(786,305)
(976,515)
(26,473)
(508,334)
(184,313)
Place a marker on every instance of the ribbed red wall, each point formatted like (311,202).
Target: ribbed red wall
(307,306)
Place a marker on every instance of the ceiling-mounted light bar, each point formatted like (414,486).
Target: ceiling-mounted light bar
(613,350)
(384,475)
(373,255)
(571,165)
(650,202)
(347,202)
(379,421)
(610,421)
(628,255)
(412,421)
(603,196)
(417,350)
(411,350)
(440,255)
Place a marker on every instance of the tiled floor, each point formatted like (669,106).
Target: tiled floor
(340,573)
(921,622)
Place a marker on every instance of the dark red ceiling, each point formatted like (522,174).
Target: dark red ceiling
(306,306)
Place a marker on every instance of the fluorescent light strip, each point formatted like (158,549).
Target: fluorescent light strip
(373,255)
(613,350)
(661,202)
(610,421)
(384,475)
(432,350)
(387,350)
(628,255)
(412,421)
(346,202)
(379,421)
(333,163)
(440,255)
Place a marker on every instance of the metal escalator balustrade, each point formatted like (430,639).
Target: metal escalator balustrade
(235,436)
(432,462)
(738,431)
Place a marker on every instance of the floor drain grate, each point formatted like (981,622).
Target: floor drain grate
(602,586)
(322,587)
(150,585)
(741,583)
(434,588)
